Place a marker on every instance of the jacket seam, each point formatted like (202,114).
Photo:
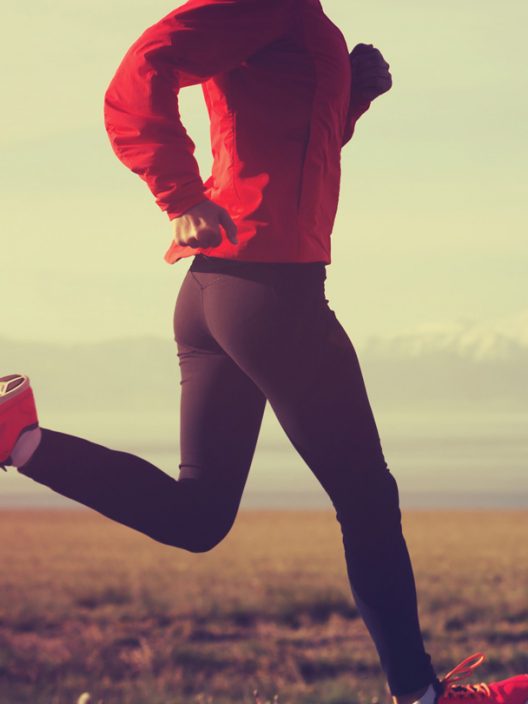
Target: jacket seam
(234,126)
(308,141)
(234,160)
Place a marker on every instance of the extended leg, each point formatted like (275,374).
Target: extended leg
(297,352)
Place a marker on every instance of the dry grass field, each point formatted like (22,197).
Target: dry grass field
(90,605)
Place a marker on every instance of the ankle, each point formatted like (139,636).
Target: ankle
(411,697)
(25,447)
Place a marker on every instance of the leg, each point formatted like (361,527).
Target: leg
(299,355)
(221,413)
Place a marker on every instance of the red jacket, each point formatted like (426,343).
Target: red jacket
(277,81)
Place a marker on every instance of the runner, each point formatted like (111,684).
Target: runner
(251,321)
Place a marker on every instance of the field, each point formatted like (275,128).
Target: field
(90,605)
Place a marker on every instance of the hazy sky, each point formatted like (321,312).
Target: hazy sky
(432,219)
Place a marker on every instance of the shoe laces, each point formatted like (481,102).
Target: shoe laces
(464,669)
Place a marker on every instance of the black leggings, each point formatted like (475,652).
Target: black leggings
(247,332)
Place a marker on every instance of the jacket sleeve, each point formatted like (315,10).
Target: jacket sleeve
(355,110)
(194,42)
(356,107)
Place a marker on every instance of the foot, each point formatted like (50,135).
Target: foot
(513,690)
(18,413)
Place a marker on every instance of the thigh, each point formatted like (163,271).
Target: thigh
(288,340)
(221,408)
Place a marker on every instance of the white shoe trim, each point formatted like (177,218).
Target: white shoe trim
(7,390)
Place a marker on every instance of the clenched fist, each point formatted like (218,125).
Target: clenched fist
(370,73)
(200,226)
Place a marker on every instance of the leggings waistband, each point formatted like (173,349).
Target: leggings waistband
(204,262)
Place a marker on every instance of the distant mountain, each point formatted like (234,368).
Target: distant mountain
(140,372)
(451,404)
(465,337)
(462,366)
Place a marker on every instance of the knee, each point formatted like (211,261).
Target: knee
(201,538)
(202,522)
(204,543)
(371,499)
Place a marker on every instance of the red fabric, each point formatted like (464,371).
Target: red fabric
(277,81)
(17,413)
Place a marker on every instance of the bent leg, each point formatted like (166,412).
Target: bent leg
(221,414)
(119,485)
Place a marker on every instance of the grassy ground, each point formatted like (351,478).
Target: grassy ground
(88,604)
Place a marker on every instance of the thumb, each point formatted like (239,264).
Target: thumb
(229,225)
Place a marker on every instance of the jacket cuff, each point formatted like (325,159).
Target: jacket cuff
(358,108)
(185,200)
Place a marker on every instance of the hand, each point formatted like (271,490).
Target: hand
(370,73)
(199,226)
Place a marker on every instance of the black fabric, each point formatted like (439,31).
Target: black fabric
(247,333)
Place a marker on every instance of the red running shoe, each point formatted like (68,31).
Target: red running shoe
(513,690)
(17,413)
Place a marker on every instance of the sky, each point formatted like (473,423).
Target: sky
(430,234)
(431,226)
